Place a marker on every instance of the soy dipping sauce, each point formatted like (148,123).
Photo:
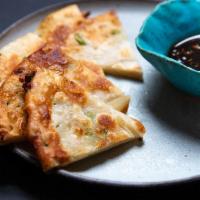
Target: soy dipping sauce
(187,52)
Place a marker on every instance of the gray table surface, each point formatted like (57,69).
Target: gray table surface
(21,180)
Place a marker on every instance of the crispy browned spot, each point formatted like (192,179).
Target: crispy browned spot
(27,80)
(60,34)
(101,144)
(19,70)
(59,154)
(38,146)
(23,69)
(74,92)
(25,72)
(90,77)
(139,125)
(106,122)
(79,132)
(102,83)
(48,56)
(44,113)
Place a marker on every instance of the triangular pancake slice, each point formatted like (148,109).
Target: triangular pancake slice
(66,123)
(100,40)
(13,53)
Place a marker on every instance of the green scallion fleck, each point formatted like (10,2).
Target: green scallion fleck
(90,115)
(79,39)
(115,31)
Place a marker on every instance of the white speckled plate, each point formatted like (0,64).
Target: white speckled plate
(171,148)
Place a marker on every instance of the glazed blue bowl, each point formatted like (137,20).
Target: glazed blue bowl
(169,23)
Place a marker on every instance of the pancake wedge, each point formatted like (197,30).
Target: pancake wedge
(13,53)
(66,123)
(100,40)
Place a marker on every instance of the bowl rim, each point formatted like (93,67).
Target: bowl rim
(154,53)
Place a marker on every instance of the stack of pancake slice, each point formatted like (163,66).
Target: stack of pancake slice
(53,91)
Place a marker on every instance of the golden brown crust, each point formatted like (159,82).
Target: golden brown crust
(139,126)
(49,55)
(75,93)
(49,158)
(106,122)
(69,17)
(12,54)
(12,116)
(59,35)
(90,79)
(102,127)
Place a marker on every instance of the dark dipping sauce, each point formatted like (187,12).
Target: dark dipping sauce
(187,52)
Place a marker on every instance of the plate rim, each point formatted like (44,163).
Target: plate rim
(74,175)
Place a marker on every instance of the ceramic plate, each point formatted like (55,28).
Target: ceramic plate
(171,148)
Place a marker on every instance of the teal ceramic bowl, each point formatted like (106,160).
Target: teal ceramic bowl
(169,23)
